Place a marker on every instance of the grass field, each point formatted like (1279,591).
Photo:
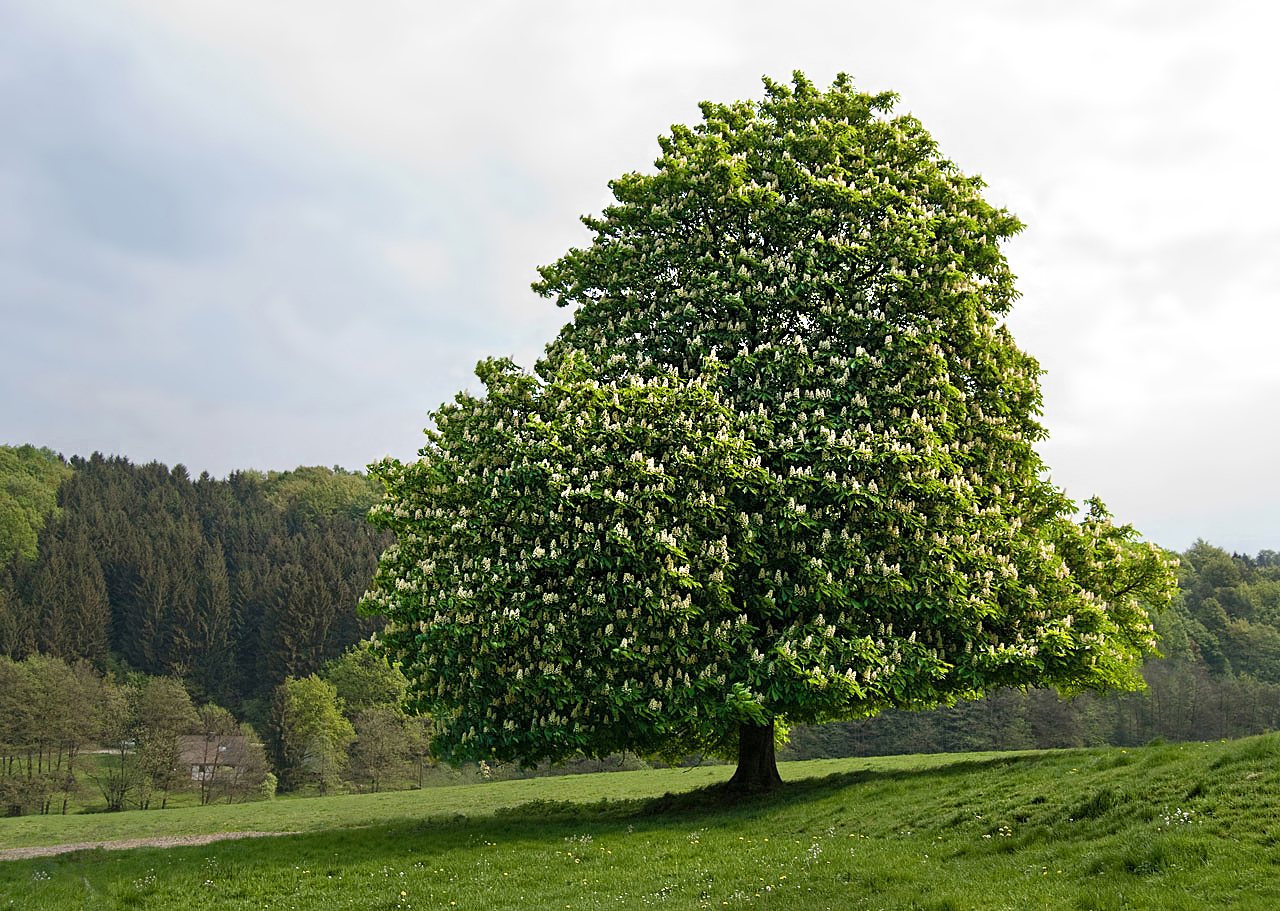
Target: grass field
(1178,826)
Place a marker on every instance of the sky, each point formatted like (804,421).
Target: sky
(243,234)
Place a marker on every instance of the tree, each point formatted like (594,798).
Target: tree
(417,730)
(29,480)
(70,594)
(310,493)
(210,660)
(779,467)
(120,774)
(49,713)
(66,713)
(381,747)
(165,715)
(19,703)
(364,681)
(309,733)
(10,621)
(245,773)
(230,585)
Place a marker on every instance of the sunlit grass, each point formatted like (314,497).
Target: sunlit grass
(1169,827)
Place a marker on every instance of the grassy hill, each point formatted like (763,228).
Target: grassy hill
(1176,826)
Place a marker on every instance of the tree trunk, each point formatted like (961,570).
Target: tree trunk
(757,765)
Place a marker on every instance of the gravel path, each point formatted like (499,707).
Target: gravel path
(123,844)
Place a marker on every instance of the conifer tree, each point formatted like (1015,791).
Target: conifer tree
(69,595)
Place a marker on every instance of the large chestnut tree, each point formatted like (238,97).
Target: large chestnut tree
(779,467)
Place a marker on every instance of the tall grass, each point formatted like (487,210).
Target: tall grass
(1177,826)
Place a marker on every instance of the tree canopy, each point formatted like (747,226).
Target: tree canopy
(231,585)
(779,467)
(29,479)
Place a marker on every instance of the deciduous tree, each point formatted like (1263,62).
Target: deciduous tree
(309,733)
(381,747)
(120,774)
(165,715)
(780,466)
(364,681)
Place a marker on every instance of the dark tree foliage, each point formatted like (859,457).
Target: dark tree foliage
(229,585)
(69,594)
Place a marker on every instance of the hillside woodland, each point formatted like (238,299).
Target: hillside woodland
(229,585)
(149,599)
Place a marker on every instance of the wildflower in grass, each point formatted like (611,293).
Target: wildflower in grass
(1178,817)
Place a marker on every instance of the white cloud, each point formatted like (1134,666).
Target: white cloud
(340,209)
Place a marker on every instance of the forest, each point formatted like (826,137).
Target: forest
(229,585)
(232,601)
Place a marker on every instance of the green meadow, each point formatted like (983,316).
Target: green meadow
(1168,826)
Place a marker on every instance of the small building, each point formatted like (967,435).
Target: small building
(205,754)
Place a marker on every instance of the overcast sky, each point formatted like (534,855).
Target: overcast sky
(265,233)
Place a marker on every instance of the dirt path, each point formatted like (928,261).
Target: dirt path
(123,844)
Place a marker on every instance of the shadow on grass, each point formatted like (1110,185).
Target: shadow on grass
(710,801)
(543,819)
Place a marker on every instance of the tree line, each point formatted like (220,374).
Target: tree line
(70,736)
(230,586)
(68,732)
(243,591)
